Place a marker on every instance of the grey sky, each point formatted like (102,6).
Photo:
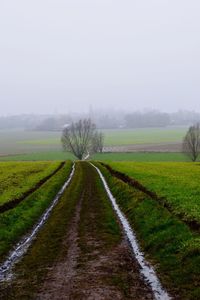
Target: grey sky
(63,55)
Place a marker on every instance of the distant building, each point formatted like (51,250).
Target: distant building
(65,126)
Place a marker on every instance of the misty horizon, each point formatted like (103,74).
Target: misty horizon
(62,57)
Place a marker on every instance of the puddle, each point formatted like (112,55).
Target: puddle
(21,248)
(146,269)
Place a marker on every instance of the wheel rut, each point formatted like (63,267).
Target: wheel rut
(59,279)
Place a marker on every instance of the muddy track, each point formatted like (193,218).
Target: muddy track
(81,253)
(156,148)
(13,203)
(194,225)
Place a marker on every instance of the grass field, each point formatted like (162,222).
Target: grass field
(143,136)
(141,156)
(116,137)
(16,142)
(171,244)
(134,156)
(178,183)
(20,142)
(16,178)
(39,156)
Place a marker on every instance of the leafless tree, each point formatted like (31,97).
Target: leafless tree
(191,142)
(98,141)
(79,138)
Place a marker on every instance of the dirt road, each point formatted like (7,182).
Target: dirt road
(157,147)
(81,252)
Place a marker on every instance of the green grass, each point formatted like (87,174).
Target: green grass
(178,183)
(16,222)
(124,137)
(22,142)
(134,156)
(40,156)
(141,156)
(16,178)
(143,136)
(16,141)
(169,243)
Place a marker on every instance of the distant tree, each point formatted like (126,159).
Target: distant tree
(80,138)
(97,143)
(147,119)
(191,142)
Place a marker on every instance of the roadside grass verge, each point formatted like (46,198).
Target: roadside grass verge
(175,184)
(167,242)
(16,222)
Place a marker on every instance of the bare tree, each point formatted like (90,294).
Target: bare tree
(97,143)
(79,138)
(191,142)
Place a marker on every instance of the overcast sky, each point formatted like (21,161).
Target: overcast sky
(65,55)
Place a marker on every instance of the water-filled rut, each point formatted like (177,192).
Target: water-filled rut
(21,248)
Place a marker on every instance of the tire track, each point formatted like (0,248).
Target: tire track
(91,255)
(146,269)
(24,244)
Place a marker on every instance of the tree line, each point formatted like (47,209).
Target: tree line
(103,120)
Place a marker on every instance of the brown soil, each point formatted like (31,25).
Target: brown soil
(161,147)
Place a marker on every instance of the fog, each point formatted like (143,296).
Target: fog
(68,55)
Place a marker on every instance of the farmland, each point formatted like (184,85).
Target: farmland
(24,142)
(18,178)
(68,239)
(176,183)
(82,228)
(134,156)
(116,137)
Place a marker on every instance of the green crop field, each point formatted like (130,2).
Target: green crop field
(166,233)
(143,136)
(123,137)
(39,156)
(16,178)
(178,183)
(21,142)
(141,156)
(116,137)
(134,156)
